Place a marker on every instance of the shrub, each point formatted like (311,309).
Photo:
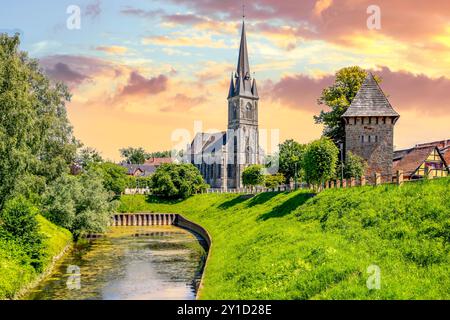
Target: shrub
(18,221)
(177,181)
(274,180)
(354,167)
(253,176)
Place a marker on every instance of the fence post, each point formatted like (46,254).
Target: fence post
(362,181)
(344,183)
(338,183)
(400,177)
(352,182)
(377,177)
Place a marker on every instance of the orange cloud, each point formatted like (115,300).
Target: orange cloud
(113,49)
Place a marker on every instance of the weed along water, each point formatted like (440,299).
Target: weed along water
(142,263)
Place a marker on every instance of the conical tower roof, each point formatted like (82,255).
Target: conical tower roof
(370,101)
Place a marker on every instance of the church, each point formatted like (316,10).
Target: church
(221,157)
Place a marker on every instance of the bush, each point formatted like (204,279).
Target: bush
(18,221)
(355,166)
(177,181)
(253,176)
(274,180)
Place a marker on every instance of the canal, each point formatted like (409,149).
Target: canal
(138,263)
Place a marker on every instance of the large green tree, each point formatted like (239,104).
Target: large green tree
(36,138)
(320,161)
(290,159)
(338,98)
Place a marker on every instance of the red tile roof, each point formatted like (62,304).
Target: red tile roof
(158,161)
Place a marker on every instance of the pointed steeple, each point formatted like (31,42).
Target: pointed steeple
(232,89)
(370,101)
(243,85)
(243,67)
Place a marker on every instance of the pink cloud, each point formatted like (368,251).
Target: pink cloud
(139,85)
(61,72)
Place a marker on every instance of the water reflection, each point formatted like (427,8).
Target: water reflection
(131,263)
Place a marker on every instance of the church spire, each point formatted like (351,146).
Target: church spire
(243,67)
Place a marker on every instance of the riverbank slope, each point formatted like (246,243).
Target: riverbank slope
(17,272)
(300,246)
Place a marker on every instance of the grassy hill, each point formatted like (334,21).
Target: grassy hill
(300,246)
(16,271)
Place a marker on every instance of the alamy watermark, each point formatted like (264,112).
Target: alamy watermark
(374,280)
(374,20)
(74,280)
(73,22)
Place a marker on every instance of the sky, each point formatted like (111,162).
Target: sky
(143,73)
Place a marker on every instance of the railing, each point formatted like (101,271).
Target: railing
(378,179)
(259,189)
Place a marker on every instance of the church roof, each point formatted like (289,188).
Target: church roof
(370,101)
(208,142)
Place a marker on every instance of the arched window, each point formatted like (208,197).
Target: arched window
(248,151)
(248,111)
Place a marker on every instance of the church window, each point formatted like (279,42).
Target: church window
(230,171)
(248,111)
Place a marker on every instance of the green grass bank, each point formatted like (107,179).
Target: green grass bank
(16,272)
(300,246)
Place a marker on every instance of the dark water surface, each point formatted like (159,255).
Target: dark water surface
(139,263)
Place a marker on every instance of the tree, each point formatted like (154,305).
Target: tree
(253,175)
(88,156)
(319,161)
(177,181)
(134,155)
(115,178)
(35,136)
(338,98)
(274,180)
(160,154)
(290,159)
(355,166)
(78,203)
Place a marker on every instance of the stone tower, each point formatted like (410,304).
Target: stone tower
(242,117)
(369,128)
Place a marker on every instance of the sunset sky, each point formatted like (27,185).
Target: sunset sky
(138,70)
